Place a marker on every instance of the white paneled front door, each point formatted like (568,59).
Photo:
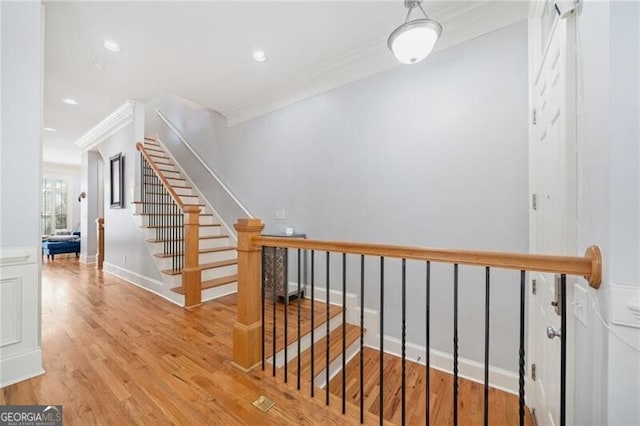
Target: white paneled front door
(553,195)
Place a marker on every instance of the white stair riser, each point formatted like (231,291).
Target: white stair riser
(204,231)
(184,191)
(224,271)
(166,262)
(208,274)
(190,199)
(172,175)
(138,208)
(220,291)
(204,243)
(178,182)
(144,220)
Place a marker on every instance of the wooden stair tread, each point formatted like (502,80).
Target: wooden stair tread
(206,225)
(352,412)
(201,251)
(320,309)
(179,195)
(204,266)
(218,264)
(151,202)
(320,351)
(208,237)
(169,214)
(205,285)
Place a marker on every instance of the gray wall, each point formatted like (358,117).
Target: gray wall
(21,94)
(20,156)
(427,155)
(607,369)
(124,242)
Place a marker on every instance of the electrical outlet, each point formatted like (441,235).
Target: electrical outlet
(580,304)
(279,214)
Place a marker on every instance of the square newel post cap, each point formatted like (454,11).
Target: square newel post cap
(249,225)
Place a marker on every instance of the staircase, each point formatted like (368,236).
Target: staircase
(321,363)
(160,218)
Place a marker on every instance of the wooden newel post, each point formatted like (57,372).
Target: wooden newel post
(247,349)
(191,277)
(100,231)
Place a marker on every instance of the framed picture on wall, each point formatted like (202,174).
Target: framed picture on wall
(116,166)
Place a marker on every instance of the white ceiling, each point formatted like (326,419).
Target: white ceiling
(202,51)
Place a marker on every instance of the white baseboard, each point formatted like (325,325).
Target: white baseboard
(472,370)
(154,286)
(20,367)
(88,260)
(499,378)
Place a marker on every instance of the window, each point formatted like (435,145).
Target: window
(56,208)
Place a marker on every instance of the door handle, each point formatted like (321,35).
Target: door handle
(552,332)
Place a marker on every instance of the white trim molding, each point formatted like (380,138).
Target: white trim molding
(115,121)
(20,353)
(371,58)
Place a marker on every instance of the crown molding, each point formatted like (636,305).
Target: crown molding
(120,117)
(372,58)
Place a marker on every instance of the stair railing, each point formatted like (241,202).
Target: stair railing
(249,330)
(175,224)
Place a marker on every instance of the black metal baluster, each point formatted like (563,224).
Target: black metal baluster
(299,291)
(521,351)
(381,372)
(486,344)
(273,297)
(563,349)
(362,338)
(264,277)
(404,339)
(455,344)
(328,332)
(313,279)
(344,332)
(427,373)
(286,310)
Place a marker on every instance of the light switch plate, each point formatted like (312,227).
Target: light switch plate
(580,307)
(279,214)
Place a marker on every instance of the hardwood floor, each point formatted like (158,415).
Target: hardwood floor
(115,354)
(118,355)
(503,407)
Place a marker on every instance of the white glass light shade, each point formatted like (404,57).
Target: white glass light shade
(413,41)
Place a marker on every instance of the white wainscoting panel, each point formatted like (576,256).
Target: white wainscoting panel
(20,353)
(10,310)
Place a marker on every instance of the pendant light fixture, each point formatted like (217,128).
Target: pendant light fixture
(412,41)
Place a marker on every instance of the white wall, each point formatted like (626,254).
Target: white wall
(125,249)
(427,155)
(607,369)
(89,208)
(20,244)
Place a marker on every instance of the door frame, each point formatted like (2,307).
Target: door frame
(537,50)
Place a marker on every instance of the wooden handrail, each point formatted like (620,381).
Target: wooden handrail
(165,183)
(589,266)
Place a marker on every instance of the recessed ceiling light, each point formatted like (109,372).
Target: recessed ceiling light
(259,56)
(94,64)
(49,129)
(70,101)
(111,46)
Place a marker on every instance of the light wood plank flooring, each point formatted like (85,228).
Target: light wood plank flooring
(118,355)
(503,407)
